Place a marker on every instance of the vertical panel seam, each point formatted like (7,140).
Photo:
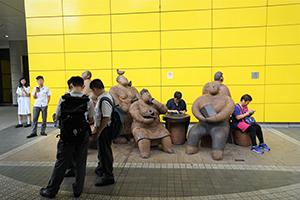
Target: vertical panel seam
(160,50)
(64,41)
(211,51)
(265,70)
(111,46)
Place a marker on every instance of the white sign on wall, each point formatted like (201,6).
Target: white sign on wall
(170,75)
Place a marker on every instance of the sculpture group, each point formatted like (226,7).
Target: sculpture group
(143,125)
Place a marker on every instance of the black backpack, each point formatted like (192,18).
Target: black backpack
(73,125)
(117,118)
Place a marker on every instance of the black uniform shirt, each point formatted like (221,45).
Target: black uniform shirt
(172,106)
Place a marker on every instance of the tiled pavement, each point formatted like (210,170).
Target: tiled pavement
(26,166)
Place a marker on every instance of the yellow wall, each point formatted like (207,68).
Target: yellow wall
(191,38)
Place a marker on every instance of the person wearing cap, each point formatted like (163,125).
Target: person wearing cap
(223,88)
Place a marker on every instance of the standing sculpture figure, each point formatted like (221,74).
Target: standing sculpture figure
(219,79)
(86,76)
(217,126)
(123,95)
(146,127)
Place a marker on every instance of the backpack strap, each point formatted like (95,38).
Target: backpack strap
(69,95)
(65,95)
(109,101)
(106,99)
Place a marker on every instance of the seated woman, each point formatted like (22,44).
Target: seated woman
(238,121)
(146,127)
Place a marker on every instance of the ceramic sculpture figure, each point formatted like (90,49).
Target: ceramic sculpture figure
(213,120)
(146,127)
(124,95)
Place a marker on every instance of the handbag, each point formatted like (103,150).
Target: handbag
(248,120)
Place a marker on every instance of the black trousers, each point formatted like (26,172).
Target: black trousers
(63,158)
(255,130)
(72,164)
(105,155)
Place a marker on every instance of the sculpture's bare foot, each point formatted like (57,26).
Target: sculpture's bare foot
(169,151)
(120,140)
(166,144)
(191,150)
(217,154)
(144,147)
(145,154)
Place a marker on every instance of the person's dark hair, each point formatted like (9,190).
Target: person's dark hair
(177,95)
(218,76)
(76,81)
(20,84)
(89,73)
(143,91)
(246,97)
(39,77)
(69,83)
(96,83)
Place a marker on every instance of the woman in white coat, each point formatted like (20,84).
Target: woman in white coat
(24,108)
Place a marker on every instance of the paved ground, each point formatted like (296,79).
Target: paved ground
(26,166)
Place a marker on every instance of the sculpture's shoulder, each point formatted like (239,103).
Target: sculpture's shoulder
(224,90)
(87,81)
(205,88)
(201,98)
(133,89)
(114,88)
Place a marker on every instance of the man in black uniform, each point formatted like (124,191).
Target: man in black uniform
(66,149)
(176,104)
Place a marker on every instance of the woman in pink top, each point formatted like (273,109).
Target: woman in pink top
(238,121)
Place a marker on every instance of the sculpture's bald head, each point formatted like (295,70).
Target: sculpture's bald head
(86,75)
(214,88)
(122,80)
(219,76)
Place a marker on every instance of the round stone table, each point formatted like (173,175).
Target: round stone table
(177,124)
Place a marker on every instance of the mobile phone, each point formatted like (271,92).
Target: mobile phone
(37,88)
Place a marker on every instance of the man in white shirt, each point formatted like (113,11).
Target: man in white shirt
(41,94)
(103,134)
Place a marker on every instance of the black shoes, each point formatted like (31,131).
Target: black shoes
(31,135)
(27,125)
(70,173)
(76,195)
(98,173)
(34,135)
(45,193)
(105,182)
(19,125)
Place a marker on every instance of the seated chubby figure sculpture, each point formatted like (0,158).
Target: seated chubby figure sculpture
(146,127)
(123,95)
(216,125)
